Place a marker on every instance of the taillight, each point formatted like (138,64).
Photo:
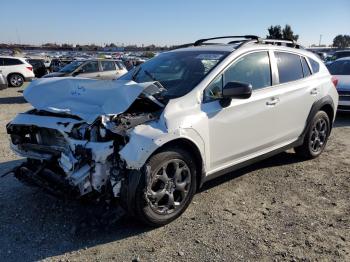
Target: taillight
(334,81)
(30,68)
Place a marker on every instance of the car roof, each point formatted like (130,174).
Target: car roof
(343,51)
(13,57)
(343,58)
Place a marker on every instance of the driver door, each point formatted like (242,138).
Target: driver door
(240,130)
(90,70)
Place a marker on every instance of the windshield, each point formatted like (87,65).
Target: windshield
(340,68)
(71,67)
(179,72)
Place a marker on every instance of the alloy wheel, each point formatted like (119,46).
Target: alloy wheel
(169,186)
(318,135)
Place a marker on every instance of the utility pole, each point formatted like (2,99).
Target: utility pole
(319,42)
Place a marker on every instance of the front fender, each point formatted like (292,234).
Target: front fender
(144,140)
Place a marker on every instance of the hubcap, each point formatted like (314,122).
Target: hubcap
(16,80)
(168,187)
(318,135)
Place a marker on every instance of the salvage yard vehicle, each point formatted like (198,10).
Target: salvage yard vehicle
(39,67)
(16,70)
(92,68)
(151,138)
(3,81)
(340,69)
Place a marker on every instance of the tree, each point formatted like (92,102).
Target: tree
(288,33)
(276,32)
(341,41)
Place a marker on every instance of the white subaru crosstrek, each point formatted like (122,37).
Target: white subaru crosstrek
(16,70)
(150,139)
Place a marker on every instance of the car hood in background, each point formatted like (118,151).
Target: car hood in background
(82,97)
(55,74)
(343,82)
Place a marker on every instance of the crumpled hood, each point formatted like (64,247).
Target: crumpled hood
(85,98)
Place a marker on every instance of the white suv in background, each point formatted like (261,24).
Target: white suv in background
(149,139)
(16,70)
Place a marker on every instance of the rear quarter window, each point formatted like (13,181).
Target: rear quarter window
(306,68)
(314,65)
(12,61)
(289,67)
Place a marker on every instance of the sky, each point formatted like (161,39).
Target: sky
(164,22)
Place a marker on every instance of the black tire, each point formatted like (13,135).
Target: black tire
(147,207)
(316,137)
(15,80)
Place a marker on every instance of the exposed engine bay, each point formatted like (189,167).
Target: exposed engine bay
(70,153)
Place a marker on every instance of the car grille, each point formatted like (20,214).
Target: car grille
(344,108)
(344,95)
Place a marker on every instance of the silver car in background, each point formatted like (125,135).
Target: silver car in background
(104,69)
(340,69)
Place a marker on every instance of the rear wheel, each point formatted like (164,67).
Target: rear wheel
(16,80)
(316,137)
(169,188)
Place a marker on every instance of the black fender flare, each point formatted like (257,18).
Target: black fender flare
(327,100)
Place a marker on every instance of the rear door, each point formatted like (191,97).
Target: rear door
(297,91)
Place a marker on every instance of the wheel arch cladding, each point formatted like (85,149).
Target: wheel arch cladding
(14,73)
(325,104)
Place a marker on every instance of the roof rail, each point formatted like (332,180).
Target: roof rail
(281,42)
(247,37)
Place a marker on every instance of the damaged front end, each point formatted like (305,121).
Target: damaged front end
(72,154)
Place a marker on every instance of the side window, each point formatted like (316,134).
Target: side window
(306,68)
(289,67)
(90,67)
(1,61)
(12,61)
(108,66)
(252,69)
(314,65)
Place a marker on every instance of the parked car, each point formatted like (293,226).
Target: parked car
(338,54)
(58,63)
(151,138)
(39,67)
(92,68)
(340,69)
(16,70)
(3,81)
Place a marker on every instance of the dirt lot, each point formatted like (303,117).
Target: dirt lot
(280,209)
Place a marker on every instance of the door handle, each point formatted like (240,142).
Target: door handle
(98,76)
(273,101)
(314,91)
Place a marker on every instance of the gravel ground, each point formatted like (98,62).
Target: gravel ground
(279,209)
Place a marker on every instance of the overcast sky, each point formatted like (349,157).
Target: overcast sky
(165,22)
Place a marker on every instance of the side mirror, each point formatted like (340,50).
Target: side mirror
(236,90)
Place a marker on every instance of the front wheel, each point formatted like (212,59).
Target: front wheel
(316,137)
(166,191)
